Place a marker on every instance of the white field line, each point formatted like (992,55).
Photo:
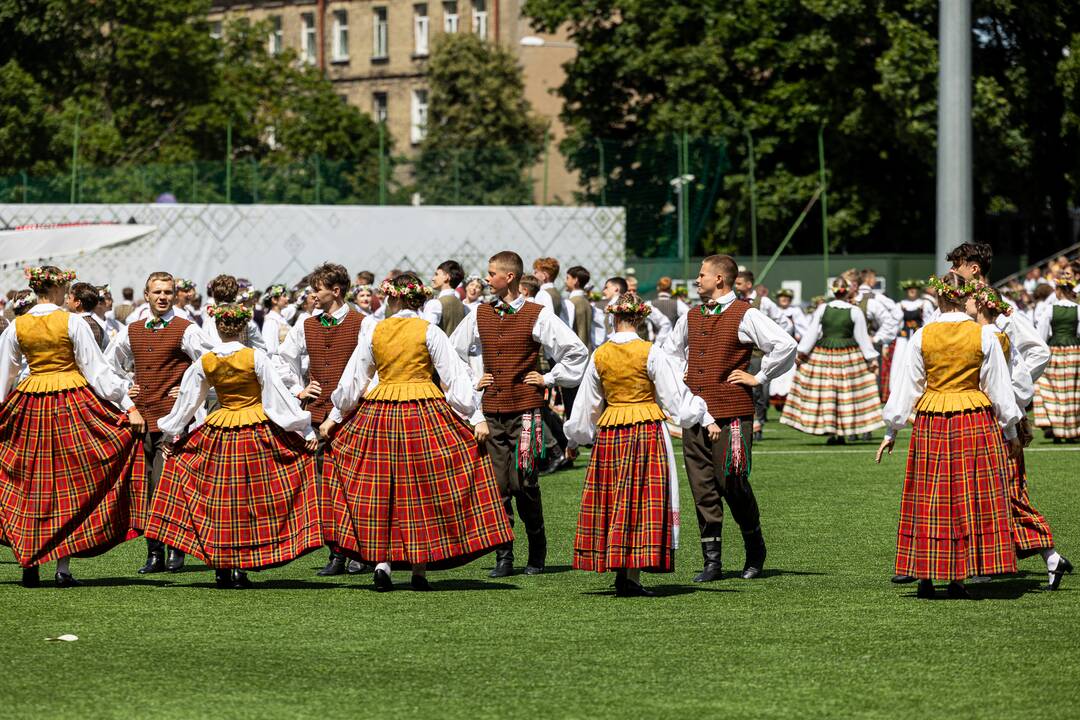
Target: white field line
(872,449)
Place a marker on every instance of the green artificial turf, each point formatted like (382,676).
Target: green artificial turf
(823,634)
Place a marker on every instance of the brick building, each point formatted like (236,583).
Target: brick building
(376,53)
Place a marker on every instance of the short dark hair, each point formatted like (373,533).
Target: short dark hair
(978,253)
(619,282)
(746,275)
(453,269)
(530,283)
(726,265)
(865,274)
(365,277)
(509,261)
(331,275)
(87,295)
(580,274)
(128,293)
(224,288)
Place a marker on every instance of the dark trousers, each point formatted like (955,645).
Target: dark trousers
(515,485)
(711,485)
(761,392)
(155,463)
(553,428)
(569,394)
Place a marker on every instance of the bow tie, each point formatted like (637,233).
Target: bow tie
(502,307)
(156,323)
(328,320)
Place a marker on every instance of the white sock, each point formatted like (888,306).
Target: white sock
(63,565)
(384,566)
(1052,558)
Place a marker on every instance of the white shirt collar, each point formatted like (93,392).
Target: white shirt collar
(837,303)
(406,313)
(545,286)
(726,298)
(622,337)
(577,293)
(167,317)
(228,348)
(341,312)
(663,296)
(43,309)
(953,317)
(447,291)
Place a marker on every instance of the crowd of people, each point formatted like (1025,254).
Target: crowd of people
(401,424)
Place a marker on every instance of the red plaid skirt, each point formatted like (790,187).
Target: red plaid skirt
(404,482)
(625,519)
(67,485)
(242,497)
(1031,532)
(954,517)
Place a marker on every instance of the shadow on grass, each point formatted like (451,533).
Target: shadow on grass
(466,584)
(670,590)
(1011,588)
(775,572)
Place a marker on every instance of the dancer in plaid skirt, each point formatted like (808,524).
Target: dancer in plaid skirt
(1057,394)
(66,452)
(954,516)
(406,481)
(239,491)
(835,392)
(629,519)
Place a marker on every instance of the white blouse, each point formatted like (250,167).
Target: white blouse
(994,380)
(106,382)
(273,323)
(1024,339)
(1045,318)
(671,394)
(278,403)
(360,374)
(860,333)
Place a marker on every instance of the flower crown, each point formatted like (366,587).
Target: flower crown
(817,300)
(24,302)
(839,285)
(277,290)
(303,293)
(239,313)
(246,294)
(949,292)
(987,297)
(912,283)
(355,290)
(182,284)
(680,291)
(40,276)
(1065,283)
(632,309)
(407,291)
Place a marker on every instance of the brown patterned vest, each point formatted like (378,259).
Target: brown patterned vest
(714,350)
(160,364)
(99,334)
(510,353)
(329,350)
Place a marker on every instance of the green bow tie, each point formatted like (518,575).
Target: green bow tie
(156,324)
(503,308)
(328,320)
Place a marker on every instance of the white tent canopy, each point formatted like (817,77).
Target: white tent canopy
(38,243)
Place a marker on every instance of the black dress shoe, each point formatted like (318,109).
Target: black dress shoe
(65,580)
(223,579)
(155,563)
(624,587)
(532,570)
(420,584)
(750,573)
(554,461)
(355,567)
(957,591)
(709,573)
(175,563)
(240,580)
(902,579)
(836,440)
(504,562)
(1063,566)
(31,577)
(759,436)
(383,583)
(335,566)
(926,590)
(755,555)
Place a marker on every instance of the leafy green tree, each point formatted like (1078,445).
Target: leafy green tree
(481,136)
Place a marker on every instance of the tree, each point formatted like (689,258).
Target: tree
(481,137)
(866,70)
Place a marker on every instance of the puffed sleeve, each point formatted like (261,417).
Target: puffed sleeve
(118,354)
(10,360)
(279,404)
(454,374)
(354,381)
(105,381)
(911,387)
(588,406)
(995,382)
(674,396)
(564,346)
(813,331)
(862,335)
(193,390)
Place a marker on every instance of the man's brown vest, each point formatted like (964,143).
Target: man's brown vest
(160,364)
(99,334)
(453,312)
(713,351)
(510,353)
(582,324)
(329,350)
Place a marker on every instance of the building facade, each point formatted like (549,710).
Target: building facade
(376,53)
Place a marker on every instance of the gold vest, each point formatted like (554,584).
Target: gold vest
(399,346)
(238,389)
(623,370)
(49,352)
(952,355)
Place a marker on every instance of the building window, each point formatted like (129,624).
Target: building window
(479,18)
(379,107)
(380,44)
(307,37)
(419,116)
(450,17)
(275,43)
(420,29)
(341,36)
(215,29)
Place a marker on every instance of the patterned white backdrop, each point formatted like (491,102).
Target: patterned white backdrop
(281,243)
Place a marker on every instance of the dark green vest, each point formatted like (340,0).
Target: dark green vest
(837,328)
(1063,327)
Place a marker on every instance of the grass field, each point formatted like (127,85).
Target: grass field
(823,634)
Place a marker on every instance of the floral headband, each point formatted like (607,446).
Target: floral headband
(1065,283)
(910,283)
(40,276)
(277,290)
(239,313)
(839,285)
(355,290)
(246,294)
(182,284)
(680,291)
(303,294)
(408,291)
(949,292)
(24,302)
(987,297)
(632,309)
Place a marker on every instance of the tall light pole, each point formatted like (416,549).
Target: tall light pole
(954,193)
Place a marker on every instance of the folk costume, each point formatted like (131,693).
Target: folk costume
(763,391)
(883,319)
(1057,393)
(445,311)
(240,491)
(67,453)
(157,352)
(714,340)
(794,321)
(954,515)
(506,339)
(629,516)
(834,393)
(914,314)
(406,482)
